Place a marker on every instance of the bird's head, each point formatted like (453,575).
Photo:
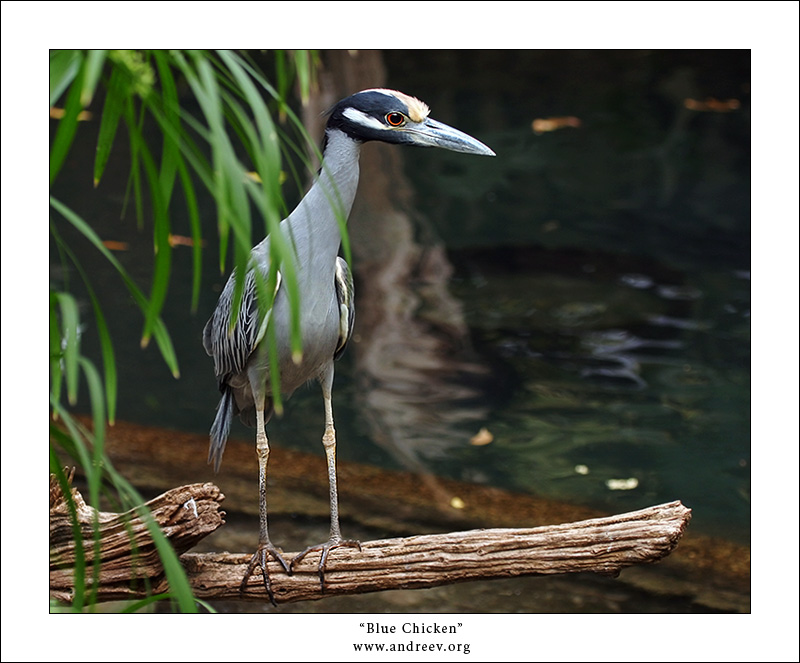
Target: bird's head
(393,117)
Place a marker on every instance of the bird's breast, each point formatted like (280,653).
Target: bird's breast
(319,332)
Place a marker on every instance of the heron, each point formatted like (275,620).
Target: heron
(325,287)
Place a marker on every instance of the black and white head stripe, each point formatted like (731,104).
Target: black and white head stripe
(369,114)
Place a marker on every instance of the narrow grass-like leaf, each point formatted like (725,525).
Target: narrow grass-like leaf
(281,74)
(265,152)
(163,251)
(94,67)
(112,110)
(170,155)
(159,331)
(106,346)
(74,444)
(240,206)
(288,269)
(145,603)
(56,351)
(302,65)
(67,126)
(167,596)
(210,106)
(64,66)
(109,362)
(134,179)
(226,88)
(93,473)
(192,154)
(267,157)
(96,399)
(95,478)
(231,176)
(70,321)
(266,149)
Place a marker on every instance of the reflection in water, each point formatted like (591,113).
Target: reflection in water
(617,353)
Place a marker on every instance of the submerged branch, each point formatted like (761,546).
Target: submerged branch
(599,545)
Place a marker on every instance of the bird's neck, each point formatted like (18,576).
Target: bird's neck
(313,228)
(338,177)
(316,222)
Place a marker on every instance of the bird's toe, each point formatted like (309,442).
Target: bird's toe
(260,559)
(324,549)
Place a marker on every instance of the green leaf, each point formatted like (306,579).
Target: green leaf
(94,67)
(106,346)
(159,331)
(163,251)
(210,105)
(302,64)
(70,335)
(215,151)
(64,66)
(282,80)
(170,156)
(136,142)
(112,111)
(67,126)
(56,351)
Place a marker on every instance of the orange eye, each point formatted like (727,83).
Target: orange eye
(395,119)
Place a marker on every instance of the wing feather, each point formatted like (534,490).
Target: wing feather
(231,348)
(343,282)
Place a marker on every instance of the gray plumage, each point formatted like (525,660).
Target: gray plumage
(325,294)
(324,282)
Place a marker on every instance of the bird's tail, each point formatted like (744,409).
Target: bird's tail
(221,428)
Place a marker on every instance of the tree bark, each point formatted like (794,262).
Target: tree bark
(189,513)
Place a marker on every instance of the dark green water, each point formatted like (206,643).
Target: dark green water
(602,270)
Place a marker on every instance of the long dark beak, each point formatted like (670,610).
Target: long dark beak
(430,133)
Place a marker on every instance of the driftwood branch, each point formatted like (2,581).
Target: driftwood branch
(600,545)
(129,559)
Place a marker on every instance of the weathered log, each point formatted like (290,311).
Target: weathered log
(599,545)
(129,559)
(602,545)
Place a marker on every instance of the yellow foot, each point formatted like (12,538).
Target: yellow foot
(324,548)
(259,559)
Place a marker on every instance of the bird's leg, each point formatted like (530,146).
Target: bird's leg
(335,540)
(265,546)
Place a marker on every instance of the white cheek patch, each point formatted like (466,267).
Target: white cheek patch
(363,119)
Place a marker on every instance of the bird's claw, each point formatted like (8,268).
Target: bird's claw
(259,559)
(325,549)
